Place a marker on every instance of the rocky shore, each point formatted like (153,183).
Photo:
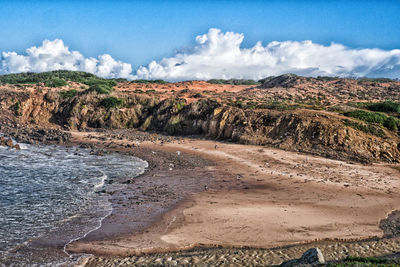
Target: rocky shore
(166,185)
(203,255)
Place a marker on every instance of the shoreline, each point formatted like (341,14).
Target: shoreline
(69,229)
(171,215)
(117,237)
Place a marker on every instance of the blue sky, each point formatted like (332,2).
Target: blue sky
(137,32)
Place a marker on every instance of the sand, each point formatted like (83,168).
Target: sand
(252,196)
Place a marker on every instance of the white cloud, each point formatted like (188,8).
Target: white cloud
(54,55)
(219,55)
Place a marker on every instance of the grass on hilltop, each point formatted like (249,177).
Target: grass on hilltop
(60,78)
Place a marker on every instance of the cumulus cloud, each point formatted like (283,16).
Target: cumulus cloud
(54,55)
(219,55)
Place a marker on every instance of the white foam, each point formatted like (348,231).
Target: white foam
(103,178)
(41,159)
(100,223)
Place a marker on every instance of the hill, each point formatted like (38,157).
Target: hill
(333,117)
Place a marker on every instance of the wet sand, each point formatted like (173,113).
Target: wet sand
(204,194)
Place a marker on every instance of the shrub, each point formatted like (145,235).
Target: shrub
(100,88)
(150,81)
(366,128)
(55,82)
(178,105)
(98,81)
(327,78)
(197,95)
(373,260)
(111,102)
(277,105)
(16,108)
(389,122)
(379,80)
(387,106)
(370,117)
(68,94)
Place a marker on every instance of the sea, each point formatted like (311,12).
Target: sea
(51,196)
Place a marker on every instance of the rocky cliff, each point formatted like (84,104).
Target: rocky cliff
(311,131)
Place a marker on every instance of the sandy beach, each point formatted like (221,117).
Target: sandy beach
(207,194)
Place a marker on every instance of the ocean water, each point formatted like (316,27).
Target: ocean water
(54,193)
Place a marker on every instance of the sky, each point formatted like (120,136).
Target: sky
(178,40)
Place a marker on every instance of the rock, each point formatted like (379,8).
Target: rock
(17,147)
(9,143)
(311,257)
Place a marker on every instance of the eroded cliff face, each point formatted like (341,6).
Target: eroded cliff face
(315,132)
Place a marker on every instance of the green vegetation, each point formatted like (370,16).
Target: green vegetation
(367,261)
(59,78)
(270,78)
(197,95)
(274,104)
(378,80)
(327,78)
(375,117)
(392,123)
(100,88)
(118,80)
(173,125)
(151,91)
(281,106)
(111,102)
(16,108)
(233,82)
(366,128)
(266,79)
(387,106)
(43,77)
(150,81)
(56,82)
(68,94)
(178,105)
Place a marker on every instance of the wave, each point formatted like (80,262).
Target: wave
(54,189)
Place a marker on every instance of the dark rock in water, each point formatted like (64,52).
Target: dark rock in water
(7,142)
(311,257)
(17,147)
